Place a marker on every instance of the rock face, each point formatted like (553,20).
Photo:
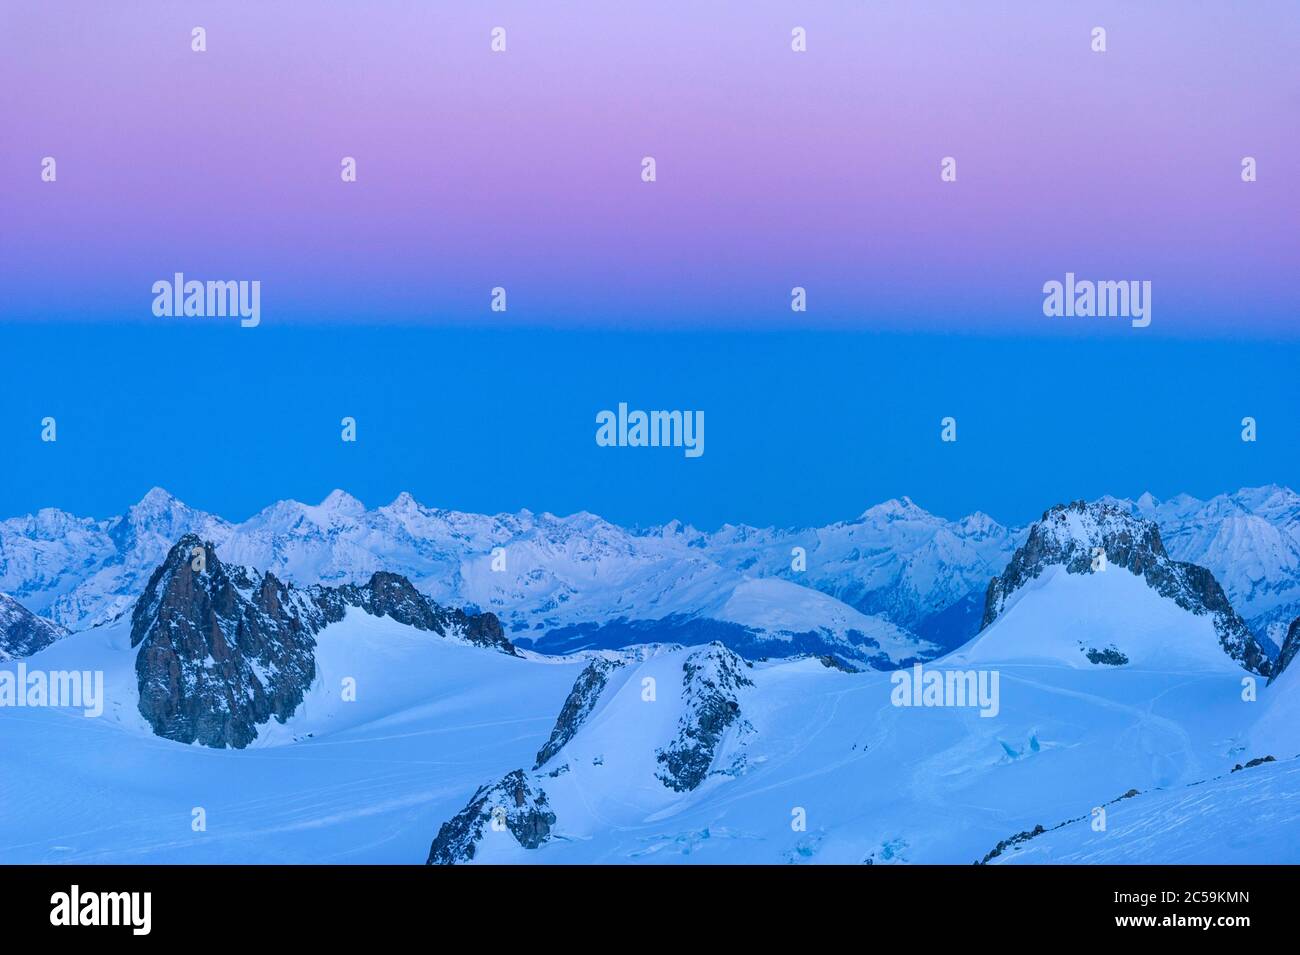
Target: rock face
(514,803)
(392,595)
(1074,535)
(712,679)
(22,633)
(1289,647)
(222,650)
(1250,541)
(709,724)
(578,706)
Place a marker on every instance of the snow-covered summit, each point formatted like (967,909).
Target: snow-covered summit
(223,649)
(1092,565)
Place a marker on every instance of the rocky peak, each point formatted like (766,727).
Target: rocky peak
(980,526)
(223,649)
(342,503)
(22,633)
(895,509)
(514,804)
(712,680)
(405,502)
(158,517)
(392,595)
(581,700)
(1075,535)
(710,732)
(156,499)
(1146,503)
(1289,647)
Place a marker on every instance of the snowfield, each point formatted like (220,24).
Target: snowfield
(1059,616)
(815,765)
(1249,817)
(368,781)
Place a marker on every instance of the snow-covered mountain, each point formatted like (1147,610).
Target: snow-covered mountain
(1116,677)
(1249,539)
(894,584)
(81,572)
(1113,689)
(923,573)
(558,583)
(1105,577)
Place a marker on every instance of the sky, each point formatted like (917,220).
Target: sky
(522,170)
(799,429)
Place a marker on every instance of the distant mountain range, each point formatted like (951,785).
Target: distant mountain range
(894,584)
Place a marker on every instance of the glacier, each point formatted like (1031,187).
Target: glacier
(1117,690)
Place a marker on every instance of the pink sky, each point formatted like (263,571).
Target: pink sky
(775,168)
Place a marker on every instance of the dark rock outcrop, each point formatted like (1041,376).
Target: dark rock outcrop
(1110,656)
(711,682)
(222,650)
(1259,761)
(515,804)
(1289,647)
(1005,844)
(1072,535)
(22,633)
(578,705)
(832,662)
(1020,838)
(392,595)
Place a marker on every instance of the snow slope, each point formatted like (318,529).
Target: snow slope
(363,782)
(1249,539)
(1060,616)
(1249,817)
(691,755)
(374,781)
(22,632)
(875,781)
(879,782)
(1277,732)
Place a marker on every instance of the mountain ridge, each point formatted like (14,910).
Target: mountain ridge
(919,578)
(1101,538)
(221,649)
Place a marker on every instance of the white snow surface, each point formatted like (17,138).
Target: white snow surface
(1060,616)
(372,781)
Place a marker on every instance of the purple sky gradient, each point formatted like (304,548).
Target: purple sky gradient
(775,168)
